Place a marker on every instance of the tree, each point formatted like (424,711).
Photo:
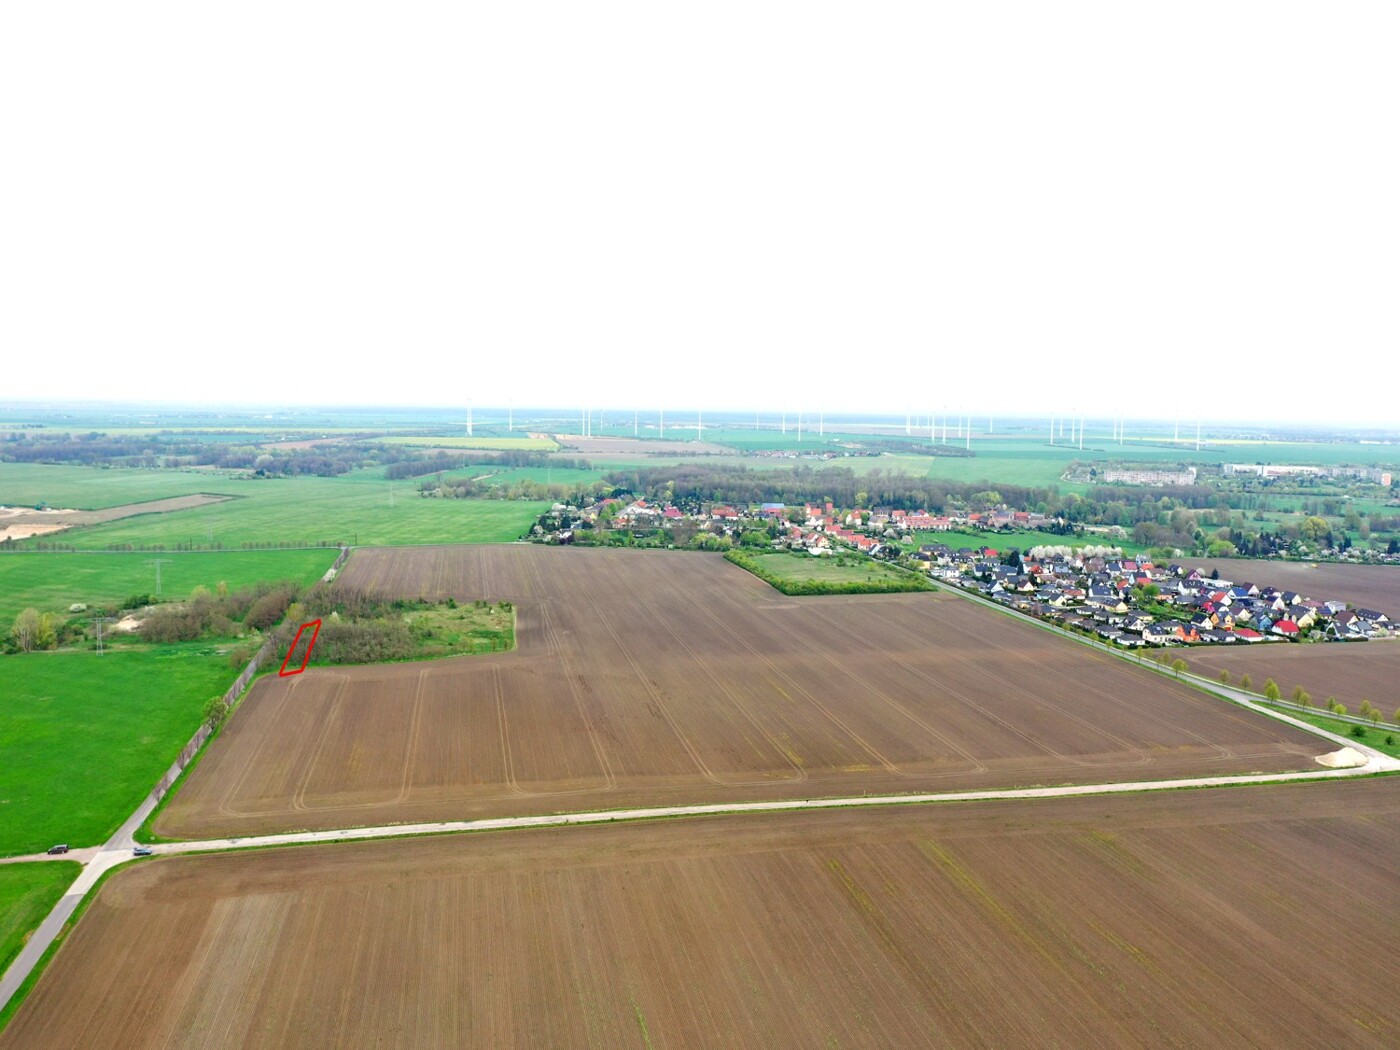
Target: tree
(1225,677)
(1298,694)
(1246,682)
(1314,528)
(1368,710)
(1178,665)
(1339,709)
(25,632)
(1301,698)
(47,635)
(215,711)
(1271,690)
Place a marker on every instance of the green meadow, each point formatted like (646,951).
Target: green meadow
(27,893)
(51,581)
(359,508)
(95,488)
(84,736)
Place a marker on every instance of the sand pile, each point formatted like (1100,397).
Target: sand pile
(1346,758)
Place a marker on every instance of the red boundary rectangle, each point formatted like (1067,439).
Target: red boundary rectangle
(283,672)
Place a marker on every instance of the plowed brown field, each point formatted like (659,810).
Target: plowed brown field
(1258,917)
(1353,672)
(671,677)
(1365,586)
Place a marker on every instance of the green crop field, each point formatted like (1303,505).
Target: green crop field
(27,893)
(359,508)
(94,488)
(51,581)
(495,444)
(84,736)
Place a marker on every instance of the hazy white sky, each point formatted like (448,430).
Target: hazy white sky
(810,205)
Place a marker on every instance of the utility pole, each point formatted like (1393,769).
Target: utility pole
(1052,430)
(98,621)
(158,562)
(821,424)
(1198,435)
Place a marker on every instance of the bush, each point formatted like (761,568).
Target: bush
(1359,732)
(270,608)
(365,642)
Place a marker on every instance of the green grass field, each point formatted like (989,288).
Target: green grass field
(27,893)
(52,581)
(802,573)
(94,488)
(360,508)
(84,737)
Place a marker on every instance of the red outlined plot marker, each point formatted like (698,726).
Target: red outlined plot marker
(315,625)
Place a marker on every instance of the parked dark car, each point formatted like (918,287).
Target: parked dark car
(141,851)
(58,849)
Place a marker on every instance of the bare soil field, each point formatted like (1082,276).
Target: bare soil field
(1176,919)
(1352,672)
(667,677)
(21,523)
(1364,586)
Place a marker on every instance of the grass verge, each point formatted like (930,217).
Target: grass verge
(1372,737)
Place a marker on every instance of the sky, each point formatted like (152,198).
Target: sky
(819,206)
